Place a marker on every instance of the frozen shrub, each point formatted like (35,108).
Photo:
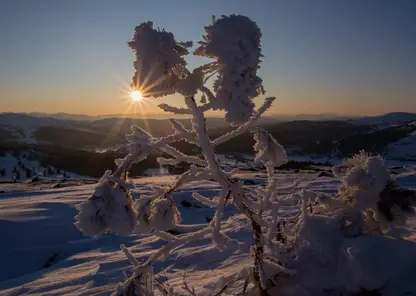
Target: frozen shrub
(372,199)
(160,69)
(291,240)
(110,209)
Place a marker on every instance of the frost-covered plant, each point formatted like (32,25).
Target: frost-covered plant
(234,42)
(342,244)
(110,209)
(369,198)
(159,60)
(286,230)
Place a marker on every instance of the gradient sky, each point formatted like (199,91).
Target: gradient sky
(346,57)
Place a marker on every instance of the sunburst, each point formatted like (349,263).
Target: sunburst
(136,95)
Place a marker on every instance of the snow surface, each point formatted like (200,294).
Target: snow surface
(404,149)
(37,230)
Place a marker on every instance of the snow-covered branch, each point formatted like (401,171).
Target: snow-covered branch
(183,157)
(246,126)
(367,198)
(174,110)
(182,131)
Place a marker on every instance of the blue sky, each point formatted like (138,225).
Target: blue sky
(347,57)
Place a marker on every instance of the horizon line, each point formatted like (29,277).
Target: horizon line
(121,115)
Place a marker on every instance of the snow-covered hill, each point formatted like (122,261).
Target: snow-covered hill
(22,126)
(42,253)
(25,165)
(404,149)
(387,119)
(105,135)
(26,121)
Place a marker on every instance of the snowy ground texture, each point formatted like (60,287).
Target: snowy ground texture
(42,253)
(405,148)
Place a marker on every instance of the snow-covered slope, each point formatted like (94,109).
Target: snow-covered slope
(387,119)
(26,121)
(404,149)
(22,166)
(42,253)
(23,125)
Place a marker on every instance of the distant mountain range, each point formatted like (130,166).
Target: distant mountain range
(84,117)
(325,134)
(388,118)
(35,119)
(277,117)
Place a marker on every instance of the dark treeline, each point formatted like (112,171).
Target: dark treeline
(319,138)
(81,162)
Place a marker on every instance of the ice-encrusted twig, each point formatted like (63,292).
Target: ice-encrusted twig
(165,236)
(183,157)
(138,151)
(272,227)
(174,110)
(181,130)
(236,190)
(216,221)
(129,255)
(271,185)
(204,141)
(246,126)
(205,201)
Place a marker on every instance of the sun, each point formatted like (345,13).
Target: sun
(136,95)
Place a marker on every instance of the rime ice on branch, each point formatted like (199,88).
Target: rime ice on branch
(160,69)
(234,42)
(159,60)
